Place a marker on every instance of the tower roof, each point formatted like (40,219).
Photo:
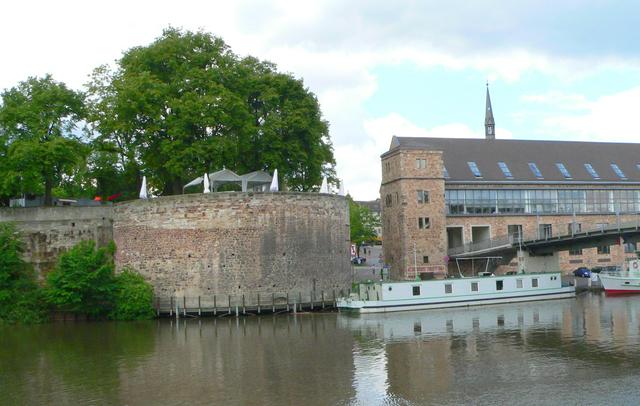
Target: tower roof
(488,117)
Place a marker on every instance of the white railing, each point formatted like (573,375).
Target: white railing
(545,235)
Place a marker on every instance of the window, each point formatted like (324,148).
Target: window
(638,167)
(421,163)
(416,291)
(397,198)
(534,282)
(535,170)
(417,327)
(474,169)
(474,286)
(563,170)
(545,231)
(514,231)
(425,259)
(575,251)
(604,250)
(630,247)
(592,171)
(618,171)
(448,288)
(423,196)
(519,283)
(573,228)
(505,170)
(388,201)
(499,285)
(423,222)
(445,172)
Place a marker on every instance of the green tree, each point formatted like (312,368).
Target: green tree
(362,223)
(133,297)
(38,123)
(186,104)
(83,281)
(20,297)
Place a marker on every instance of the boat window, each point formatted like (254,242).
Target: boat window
(389,288)
(417,327)
(519,283)
(499,285)
(534,282)
(448,288)
(416,291)
(474,286)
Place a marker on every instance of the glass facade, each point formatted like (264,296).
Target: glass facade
(541,201)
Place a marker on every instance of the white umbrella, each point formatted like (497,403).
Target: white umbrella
(341,190)
(206,184)
(324,188)
(143,188)
(274,182)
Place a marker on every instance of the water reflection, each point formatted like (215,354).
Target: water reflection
(569,351)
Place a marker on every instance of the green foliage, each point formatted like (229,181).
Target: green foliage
(186,104)
(83,281)
(362,222)
(20,298)
(133,297)
(40,151)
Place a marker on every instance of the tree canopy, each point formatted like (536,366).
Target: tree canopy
(362,223)
(185,105)
(40,148)
(171,110)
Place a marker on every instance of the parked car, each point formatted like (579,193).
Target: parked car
(582,272)
(597,269)
(358,260)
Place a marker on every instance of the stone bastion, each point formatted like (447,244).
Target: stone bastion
(232,243)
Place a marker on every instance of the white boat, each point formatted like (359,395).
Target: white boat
(380,297)
(623,282)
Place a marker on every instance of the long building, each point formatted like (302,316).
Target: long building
(439,193)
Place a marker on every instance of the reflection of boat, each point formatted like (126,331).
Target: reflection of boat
(624,282)
(376,297)
(457,321)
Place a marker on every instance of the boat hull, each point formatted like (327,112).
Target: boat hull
(383,307)
(620,285)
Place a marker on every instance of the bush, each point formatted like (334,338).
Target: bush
(83,281)
(20,296)
(133,297)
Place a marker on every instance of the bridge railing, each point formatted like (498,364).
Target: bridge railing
(557,231)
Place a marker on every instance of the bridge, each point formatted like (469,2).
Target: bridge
(544,242)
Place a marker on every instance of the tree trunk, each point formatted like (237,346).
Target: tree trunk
(48,185)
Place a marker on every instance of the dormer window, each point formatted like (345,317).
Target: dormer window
(474,169)
(536,171)
(505,170)
(592,171)
(563,170)
(618,171)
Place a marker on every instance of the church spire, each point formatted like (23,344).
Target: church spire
(489,124)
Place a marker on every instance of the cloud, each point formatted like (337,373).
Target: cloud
(611,117)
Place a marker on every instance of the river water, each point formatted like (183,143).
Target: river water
(574,351)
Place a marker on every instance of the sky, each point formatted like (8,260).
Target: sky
(557,70)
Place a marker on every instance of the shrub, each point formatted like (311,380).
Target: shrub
(83,281)
(133,297)
(20,297)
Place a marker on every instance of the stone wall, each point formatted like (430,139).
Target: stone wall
(407,242)
(49,231)
(233,243)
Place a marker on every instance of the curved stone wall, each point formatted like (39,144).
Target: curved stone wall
(233,243)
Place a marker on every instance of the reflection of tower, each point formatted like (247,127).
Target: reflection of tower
(370,374)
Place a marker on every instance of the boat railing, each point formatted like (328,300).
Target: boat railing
(414,272)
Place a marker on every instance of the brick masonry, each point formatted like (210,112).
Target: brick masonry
(233,243)
(49,231)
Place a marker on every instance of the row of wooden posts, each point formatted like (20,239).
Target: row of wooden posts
(294,303)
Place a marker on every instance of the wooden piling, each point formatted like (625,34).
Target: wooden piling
(258,303)
(199,307)
(171,306)
(215,310)
(273,302)
(184,306)
(287,301)
(229,297)
(322,296)
(311,299)
(244,310)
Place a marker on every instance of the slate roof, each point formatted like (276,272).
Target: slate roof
(517,154)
